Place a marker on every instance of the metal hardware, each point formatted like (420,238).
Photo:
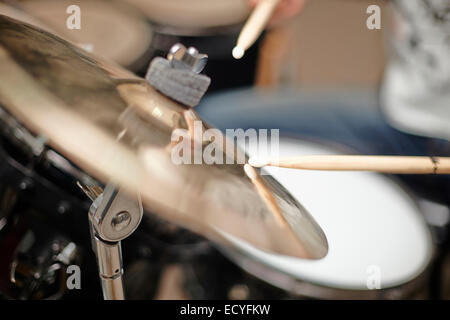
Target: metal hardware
(189,59)
(113,216)
(38,268)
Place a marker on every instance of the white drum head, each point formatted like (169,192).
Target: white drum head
(373,227)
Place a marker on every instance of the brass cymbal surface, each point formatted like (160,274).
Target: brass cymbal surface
(119,129)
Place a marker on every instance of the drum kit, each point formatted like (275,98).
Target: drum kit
(86,171)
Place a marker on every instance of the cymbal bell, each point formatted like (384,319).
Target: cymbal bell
(118,128)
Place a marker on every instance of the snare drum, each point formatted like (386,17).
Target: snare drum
(379,244)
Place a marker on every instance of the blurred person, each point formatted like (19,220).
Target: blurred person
(410,115)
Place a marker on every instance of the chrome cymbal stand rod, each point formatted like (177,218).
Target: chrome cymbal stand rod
(110,268)
(113,216)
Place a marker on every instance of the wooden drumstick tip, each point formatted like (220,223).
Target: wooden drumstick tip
(258,162)
(238,52)
(250,172)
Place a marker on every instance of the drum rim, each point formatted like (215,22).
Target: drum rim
(311,289)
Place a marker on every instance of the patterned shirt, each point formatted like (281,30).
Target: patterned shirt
(415,93)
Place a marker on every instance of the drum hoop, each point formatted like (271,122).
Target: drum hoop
(309,289)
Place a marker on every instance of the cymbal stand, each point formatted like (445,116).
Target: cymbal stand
(113,216)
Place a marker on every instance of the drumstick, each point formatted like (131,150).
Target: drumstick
(254,26)
(384,164)
(265,194)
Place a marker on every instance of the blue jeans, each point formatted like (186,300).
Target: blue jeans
(352,119)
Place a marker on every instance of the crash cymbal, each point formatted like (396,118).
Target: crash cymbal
(117,128)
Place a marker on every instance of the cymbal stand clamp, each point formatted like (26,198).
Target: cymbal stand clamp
(113,216)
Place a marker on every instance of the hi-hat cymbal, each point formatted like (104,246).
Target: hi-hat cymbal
(117,128)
